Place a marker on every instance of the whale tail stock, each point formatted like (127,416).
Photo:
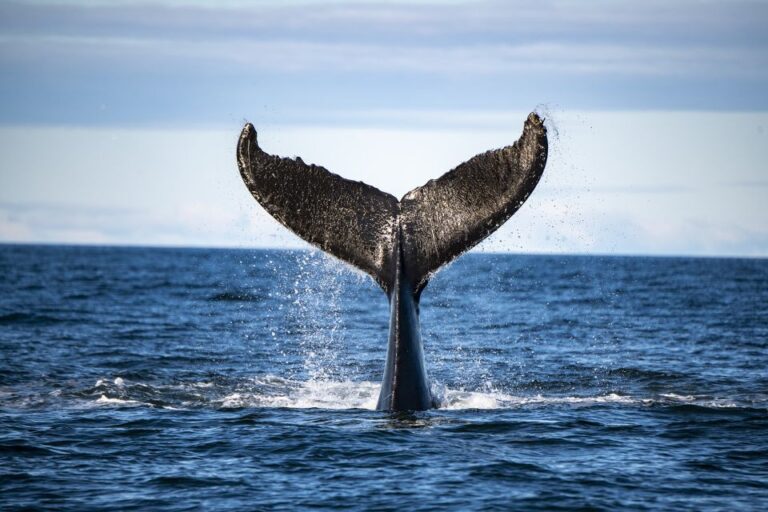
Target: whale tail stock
(370,229)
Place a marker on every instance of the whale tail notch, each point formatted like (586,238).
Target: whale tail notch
(370,229)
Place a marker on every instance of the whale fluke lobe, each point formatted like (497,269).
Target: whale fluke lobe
(450,215)
(349,219)
(398,243)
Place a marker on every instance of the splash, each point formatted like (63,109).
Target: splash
(270,392)
(304,395)
(312,289)
(316,293)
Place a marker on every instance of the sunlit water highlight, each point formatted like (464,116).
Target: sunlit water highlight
(210,379)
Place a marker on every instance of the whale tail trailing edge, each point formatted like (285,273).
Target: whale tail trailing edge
(431,225)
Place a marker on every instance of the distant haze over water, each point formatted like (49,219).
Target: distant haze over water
(619,182)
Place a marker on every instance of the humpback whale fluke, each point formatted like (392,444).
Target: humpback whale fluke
(398,243)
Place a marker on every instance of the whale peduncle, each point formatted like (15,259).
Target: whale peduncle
(405,386)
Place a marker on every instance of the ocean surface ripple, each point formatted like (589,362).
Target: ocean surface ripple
(199,379)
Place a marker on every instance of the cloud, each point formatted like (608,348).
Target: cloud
(282,56)
(167,61)
(746,184)
(184,224)
(736,21)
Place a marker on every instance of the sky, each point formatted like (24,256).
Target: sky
(119,119)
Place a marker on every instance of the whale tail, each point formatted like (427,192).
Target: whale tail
(370,229)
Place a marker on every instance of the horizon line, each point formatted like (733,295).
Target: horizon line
(310,248)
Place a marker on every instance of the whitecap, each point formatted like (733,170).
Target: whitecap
(105,400)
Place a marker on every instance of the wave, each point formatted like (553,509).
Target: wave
(103,399)
(28,319)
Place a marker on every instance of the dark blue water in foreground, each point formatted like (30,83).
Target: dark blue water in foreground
(137,379)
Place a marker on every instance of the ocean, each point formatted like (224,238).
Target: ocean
(212,379)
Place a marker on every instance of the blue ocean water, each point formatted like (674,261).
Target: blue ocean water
(197,379)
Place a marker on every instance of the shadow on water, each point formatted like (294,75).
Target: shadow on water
(408,420)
